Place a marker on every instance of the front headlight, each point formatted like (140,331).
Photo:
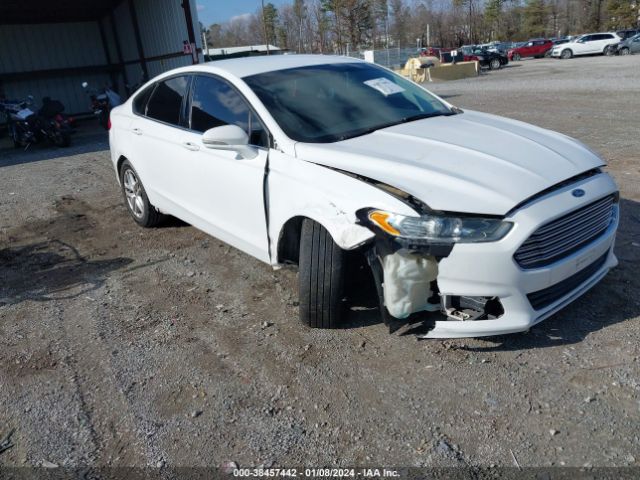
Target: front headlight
(440,229)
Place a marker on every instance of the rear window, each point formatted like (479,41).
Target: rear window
(166,102)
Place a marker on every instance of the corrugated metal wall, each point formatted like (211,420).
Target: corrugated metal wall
(31,48)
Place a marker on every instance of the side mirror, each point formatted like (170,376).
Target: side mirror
(229,137)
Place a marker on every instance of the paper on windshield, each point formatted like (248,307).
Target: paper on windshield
(384,86)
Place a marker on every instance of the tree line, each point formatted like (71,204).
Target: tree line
(340,26)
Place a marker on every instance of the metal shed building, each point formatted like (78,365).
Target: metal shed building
(48,48)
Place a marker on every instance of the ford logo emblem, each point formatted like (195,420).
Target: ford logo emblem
(578,192)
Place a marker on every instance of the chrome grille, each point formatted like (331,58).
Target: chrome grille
(566,234)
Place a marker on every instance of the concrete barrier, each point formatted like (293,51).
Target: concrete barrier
(454,71)
(448,71)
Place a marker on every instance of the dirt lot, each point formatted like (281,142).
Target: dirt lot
(128,347)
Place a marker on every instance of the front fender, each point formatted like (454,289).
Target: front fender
(300,189)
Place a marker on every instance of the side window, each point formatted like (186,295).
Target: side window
(215,103)
(607,36)
(140,102)
(166,102)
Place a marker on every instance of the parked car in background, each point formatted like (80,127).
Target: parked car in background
(486,58)
(537,48)
(628,46)
(589,44)
(624,34)
(499,47)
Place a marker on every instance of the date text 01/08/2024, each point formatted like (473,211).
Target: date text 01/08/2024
(316,472)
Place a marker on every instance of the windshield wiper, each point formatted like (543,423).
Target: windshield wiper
(420,116)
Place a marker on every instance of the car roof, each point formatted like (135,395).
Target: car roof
(247,66)
(598,33)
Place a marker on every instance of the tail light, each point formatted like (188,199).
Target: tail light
(109,123)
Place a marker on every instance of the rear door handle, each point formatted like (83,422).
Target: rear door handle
(137,131)
(190,146)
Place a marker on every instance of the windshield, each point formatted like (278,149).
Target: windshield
(328,103)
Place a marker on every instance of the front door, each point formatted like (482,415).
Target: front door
(225,191)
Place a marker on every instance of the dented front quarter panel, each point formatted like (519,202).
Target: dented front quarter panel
(302,189)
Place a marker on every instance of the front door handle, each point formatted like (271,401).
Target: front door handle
(137,131)
(190,146)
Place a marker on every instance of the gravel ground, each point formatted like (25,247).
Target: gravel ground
(128,347)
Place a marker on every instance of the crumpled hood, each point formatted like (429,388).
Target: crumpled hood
(470,162)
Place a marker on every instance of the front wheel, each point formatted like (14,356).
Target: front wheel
(144,214)
(62,139)
(624,51)
(516,57)
(608,51)
(321,274)
(566,54)
(494,64)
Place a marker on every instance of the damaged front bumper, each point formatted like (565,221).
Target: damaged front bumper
(474,275)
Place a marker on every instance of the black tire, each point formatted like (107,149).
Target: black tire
(14,137)
(321,275)
(63,140)
(516,57)
(566,54)
(103,119)
(150,216)
(624,51)
(608,51)
(494,64)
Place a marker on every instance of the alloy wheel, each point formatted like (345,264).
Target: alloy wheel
(133,192)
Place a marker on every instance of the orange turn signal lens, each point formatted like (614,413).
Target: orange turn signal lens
(381,219)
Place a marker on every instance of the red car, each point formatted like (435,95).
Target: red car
(538,47)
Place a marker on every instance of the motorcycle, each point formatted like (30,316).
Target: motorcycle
(27,127)
(102,101)
(54,124)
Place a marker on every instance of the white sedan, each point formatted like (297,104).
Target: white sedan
(476,224)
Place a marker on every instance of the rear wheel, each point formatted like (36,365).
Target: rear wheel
(144,214)
(494,64)
(624,51)
(62,139)
(103,119)
(320,277)
(566,54)
(516,57)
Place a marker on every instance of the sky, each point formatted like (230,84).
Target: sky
(218,11)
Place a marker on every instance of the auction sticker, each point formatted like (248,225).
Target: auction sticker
(384,86)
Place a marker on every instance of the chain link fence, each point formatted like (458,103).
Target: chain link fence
(393,57)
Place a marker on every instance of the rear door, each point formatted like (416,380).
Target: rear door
(600,42)
(158,152)
(539,47)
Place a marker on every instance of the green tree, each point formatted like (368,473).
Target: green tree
(493,17)
(536,14)
(622,13)
(270,22)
